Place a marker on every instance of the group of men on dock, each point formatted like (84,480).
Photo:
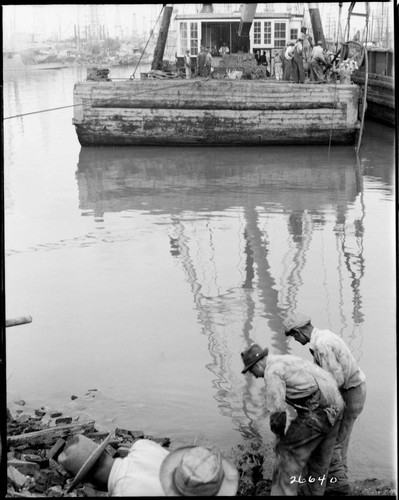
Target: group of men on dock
(298,62)
(311,447)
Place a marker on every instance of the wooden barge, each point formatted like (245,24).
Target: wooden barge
(380,85)
(210,112)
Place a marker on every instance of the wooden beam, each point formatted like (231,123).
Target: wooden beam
(51,434)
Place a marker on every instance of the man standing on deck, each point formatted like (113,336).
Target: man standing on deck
(278,66)
(208,62)
(297,63)
(318,63)
(304,447)
(331,353)
(187,63)
(201,62)
(288,56)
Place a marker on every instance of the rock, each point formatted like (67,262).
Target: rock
(21,402)
(63,420)
(40,413)
(55,414)
(15,478)
(74,397)
(54,491)
(42,462)
(24,467)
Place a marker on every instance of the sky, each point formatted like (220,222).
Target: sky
(60,19)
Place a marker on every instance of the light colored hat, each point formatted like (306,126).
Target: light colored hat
(296,320)
(252,356)
(198,471)
(80,455)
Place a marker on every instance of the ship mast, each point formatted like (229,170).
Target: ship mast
(163,35)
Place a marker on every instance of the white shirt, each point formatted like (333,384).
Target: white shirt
(138,473)
(289,51)
(318,53)
(331,353)
(290,378)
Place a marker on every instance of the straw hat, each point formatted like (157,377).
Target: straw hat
(252,356)
(296,320)
(80,455)
(198,471)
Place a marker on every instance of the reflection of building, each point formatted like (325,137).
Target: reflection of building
(219,205)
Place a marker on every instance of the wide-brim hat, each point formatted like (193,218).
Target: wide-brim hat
(296,320)
(172,462)
(252,355)
(81,449)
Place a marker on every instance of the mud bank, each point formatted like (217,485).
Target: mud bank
(36,436)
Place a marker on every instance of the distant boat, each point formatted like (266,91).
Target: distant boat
(41,59)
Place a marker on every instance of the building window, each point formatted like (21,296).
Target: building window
(183,38)
(267,33)
(188,38)
(294,34)
(279,34)
(257,33)
(194,39)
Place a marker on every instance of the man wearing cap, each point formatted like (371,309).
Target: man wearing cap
(304,447)
(331,353)
(149,469)
(318,63)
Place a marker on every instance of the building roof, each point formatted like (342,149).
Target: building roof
(234,16)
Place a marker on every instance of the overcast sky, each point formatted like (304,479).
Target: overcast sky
(59,20)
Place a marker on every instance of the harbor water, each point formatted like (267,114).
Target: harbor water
(148,270)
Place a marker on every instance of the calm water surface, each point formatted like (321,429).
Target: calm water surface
(148,270)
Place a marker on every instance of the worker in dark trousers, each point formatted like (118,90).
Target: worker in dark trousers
(297,63)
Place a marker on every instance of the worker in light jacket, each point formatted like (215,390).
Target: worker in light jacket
(305,443)
(332,354)
(288,56)
(318,63)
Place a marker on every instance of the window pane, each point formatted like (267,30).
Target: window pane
(183,37)
(257,33)
(279,34)
(267,32)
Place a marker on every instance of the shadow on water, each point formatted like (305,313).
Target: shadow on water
(300,183)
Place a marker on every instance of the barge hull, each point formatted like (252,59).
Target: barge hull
(214,113)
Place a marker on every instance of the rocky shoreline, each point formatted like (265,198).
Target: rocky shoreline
(36,436)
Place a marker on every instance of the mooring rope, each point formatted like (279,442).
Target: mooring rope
(191,82)
(41,111)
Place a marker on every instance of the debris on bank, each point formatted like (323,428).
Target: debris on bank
(36,437)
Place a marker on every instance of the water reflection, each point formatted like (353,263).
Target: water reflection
(196,187)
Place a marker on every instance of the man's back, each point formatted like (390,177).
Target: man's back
(331,353)
(293,378)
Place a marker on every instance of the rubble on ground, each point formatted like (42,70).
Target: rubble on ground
(36,437)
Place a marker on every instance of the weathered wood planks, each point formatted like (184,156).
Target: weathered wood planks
(214,112)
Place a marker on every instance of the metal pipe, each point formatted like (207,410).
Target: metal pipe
(22,320)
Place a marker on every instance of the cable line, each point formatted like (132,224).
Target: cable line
(42,111)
